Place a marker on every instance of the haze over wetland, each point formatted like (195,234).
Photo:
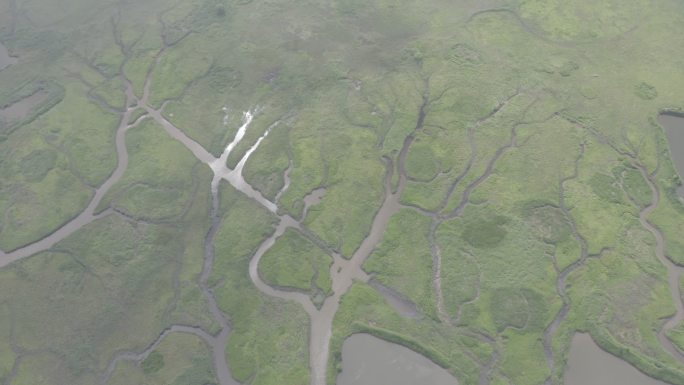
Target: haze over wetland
(345,192)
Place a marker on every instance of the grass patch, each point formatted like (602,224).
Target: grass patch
(179,359)
(153,363)
(403,262)
(347,81)
(256,350)
(296,263)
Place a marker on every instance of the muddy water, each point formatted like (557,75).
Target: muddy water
(589,365)
(5,59)
(21,109)
(237,180)
(312,199)
(367,360)
(286,183)
(674,128)
(246,121)
(219,342)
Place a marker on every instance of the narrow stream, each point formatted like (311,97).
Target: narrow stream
(562,276)
(138,357)
(88,214)
(674,272)
(219,342)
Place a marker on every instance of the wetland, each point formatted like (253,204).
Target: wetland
(287,193)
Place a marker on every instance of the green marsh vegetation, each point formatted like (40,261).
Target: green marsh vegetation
(532,129)
(296,263)
(268,340)
(179,359)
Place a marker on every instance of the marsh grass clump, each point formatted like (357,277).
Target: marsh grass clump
(509,309)
(296,263)
(568,68)
(37,164)
(606,188)
(547,220)
(520,308)
(153,363)
(221,78)
(422,163)
(220,10)
(463,54)
(486,232)
(645,91)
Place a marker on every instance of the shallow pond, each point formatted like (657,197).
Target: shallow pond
(674,128)
(21,109)
(590,365)
(5,59)
(367,360)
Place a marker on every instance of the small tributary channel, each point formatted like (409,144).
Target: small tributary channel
(590,365)
(367,360)
(5,59)
(674,128)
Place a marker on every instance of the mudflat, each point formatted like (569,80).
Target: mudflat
(590,365)
(367,360)
(674,129)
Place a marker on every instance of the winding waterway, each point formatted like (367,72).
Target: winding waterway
(366,359)
(674,272)
(674,129)
(343,272)
(89,213)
